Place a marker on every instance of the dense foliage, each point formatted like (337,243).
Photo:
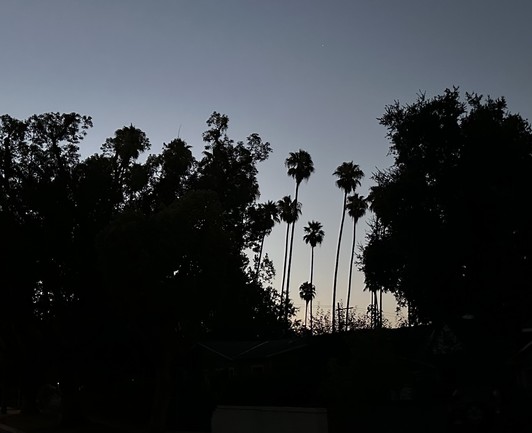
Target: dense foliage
(452,236)
(124,246)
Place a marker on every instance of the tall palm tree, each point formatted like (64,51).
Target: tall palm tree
(289,213)
(307,292)
(266,215)
(349,176)
(300,167)
(313,236)
(376,302)
(356,208)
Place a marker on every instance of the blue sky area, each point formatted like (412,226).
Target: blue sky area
(306,74)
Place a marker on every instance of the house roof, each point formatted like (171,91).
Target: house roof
(238,350)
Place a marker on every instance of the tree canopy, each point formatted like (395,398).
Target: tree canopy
(148,247)
(451,235)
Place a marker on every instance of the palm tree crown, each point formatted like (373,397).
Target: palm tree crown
(314,233)
(307,292)
(262,220)
(300,165)
(263,217)
(270,212)
(349,176)
(356,206)
(288,210)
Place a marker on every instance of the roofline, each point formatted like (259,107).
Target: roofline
(215,351)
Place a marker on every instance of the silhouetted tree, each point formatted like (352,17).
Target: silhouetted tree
(349,176)
(269,309)
(300,167)
(289,212)
(356,208)
(444,243)
(148,251)
(173,170)
(129,177)
(39,230)
(262,219)
(184,252)
(307,292)
(313,236)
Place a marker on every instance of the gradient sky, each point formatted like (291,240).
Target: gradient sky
(309,74)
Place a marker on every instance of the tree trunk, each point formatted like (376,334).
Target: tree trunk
(380,309)
(372,314)
(284,265)
(290,261)
(350,272)
(306,313)
(336,264)
(311,278)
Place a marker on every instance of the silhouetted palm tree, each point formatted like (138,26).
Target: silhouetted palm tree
(300,167)
(289,213)
(307,292)
(378,228)
(349,176)
(356,208)
(266,215)
(313,236)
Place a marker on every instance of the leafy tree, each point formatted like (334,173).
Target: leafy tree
(269,311)
(307,292)
(129,178)
(13,213)
(230,170)
(57,137)
(300,167)
(454,237)
(115,249)
(37,207)
(313,236)
(176,251)
(173,171)
(349,176)
(356,208)
(262,219)
(38,218)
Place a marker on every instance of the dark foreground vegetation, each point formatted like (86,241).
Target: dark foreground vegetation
(127,295)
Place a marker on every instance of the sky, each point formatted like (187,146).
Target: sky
(304,74)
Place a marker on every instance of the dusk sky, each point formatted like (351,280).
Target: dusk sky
(305,74)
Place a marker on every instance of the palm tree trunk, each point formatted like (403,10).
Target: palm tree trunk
(290,263)
(311,278)
(336,264)
(350,272)
(306,313)
(376,308)
(373,308)
(284,264)
(380,309)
